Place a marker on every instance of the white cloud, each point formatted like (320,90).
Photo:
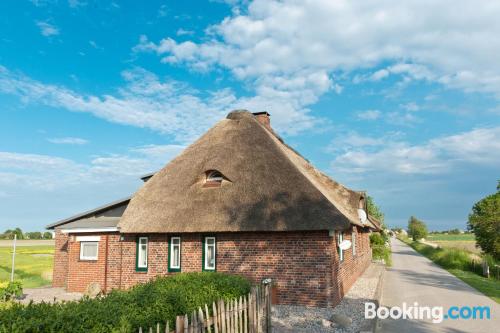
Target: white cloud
(184,32)
(368,115)
(94,45)
(47,29)
(19,171)
(402,118)
(437,156)
(166,106)
(68,140)
(290,39)
(411,106)
(76,3)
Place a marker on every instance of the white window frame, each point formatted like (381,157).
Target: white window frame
(172,252)
(341,252)
(139,251)
(205,266)
(353,241)
(83,244)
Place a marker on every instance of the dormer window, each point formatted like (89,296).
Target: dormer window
(214,178)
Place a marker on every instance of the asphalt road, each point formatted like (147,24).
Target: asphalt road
(414,278)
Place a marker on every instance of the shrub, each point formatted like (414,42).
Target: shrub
(382,252)
(452,258)
(9,290)
(123,311)
(377,239)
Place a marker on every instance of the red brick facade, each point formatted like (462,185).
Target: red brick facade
(304,265)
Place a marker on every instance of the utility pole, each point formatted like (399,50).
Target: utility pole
(13,259)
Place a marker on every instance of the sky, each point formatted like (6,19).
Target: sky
(398,98)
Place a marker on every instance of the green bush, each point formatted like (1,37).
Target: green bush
(452,258)
(9,290)
(122,311)
(448,258)
(376,239)
(382,252)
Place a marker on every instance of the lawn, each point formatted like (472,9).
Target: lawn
(33,265)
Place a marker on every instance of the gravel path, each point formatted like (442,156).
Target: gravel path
(288,319)
(48,295)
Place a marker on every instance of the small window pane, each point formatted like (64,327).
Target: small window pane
(88,250)
(210,253)
(142,260)
(175,253)
(176,256)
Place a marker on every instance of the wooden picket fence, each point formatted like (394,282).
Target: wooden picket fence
(248,314)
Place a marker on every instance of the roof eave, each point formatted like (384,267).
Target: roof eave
(87,213)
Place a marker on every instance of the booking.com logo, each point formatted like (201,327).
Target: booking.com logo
(436,313)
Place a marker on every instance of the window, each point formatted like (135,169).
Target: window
(341,252)
(353,240)
(214,179)
(174,255)
(209,254)
(142,254)
(88,250)
(214,176)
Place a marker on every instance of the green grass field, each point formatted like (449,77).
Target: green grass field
(33,265)
(465,242)
(443,237)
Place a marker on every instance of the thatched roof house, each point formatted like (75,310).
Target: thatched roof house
(266,186)
(237,195)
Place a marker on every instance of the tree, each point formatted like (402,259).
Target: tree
(484,222)
(416,228)
(374,210)
(33,235)
(9,233)
(47,235)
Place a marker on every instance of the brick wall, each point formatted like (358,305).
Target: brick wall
(300,263)
(346,272)
(60,270)
(304,265)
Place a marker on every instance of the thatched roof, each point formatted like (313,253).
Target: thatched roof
(267,186)
(374,223)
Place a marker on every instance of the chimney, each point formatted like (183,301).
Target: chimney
(264,118)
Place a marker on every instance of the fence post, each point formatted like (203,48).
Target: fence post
(486,269)
(13,259)
(179,324)
(267,302)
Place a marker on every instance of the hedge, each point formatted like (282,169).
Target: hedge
(9,290)
(144,305)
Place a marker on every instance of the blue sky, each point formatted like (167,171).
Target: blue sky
(399,99)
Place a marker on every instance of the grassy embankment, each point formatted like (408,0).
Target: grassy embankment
(33,265)
(458,262)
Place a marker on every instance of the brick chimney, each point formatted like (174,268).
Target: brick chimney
(264,118)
